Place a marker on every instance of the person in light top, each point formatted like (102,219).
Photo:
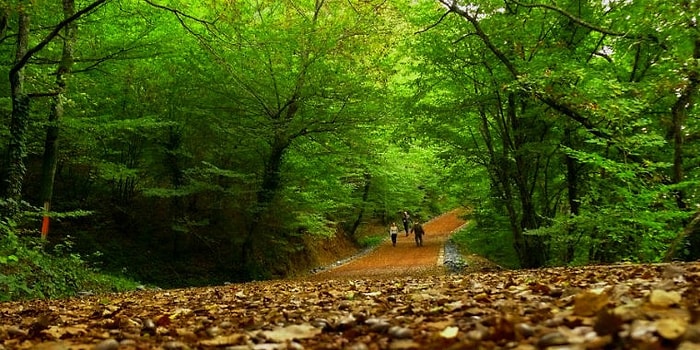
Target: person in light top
(393,232)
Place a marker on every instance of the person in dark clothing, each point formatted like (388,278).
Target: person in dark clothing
(418,232)
(405,218)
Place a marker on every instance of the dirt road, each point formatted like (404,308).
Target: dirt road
(404,259)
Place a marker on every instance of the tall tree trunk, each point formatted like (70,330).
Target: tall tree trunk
(572,191)
(533,251)
(265,196)
(16,150)
(19,118)
(679,114)
(529,215)
(50,158)
(500,174)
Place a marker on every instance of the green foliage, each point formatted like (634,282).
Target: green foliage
(570,127)
(29,271)
(636,227)
(488,236)
(236,128)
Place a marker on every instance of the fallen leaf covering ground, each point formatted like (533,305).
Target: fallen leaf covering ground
(594,307)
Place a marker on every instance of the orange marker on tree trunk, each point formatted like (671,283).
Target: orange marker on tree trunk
(45,221)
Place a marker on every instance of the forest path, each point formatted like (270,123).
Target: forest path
(405,259)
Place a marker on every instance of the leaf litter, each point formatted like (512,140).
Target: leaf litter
(654,306)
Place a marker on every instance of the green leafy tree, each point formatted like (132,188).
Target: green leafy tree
(20,108)
(290,75)
(566,126)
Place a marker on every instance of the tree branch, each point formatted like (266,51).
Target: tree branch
(435,24)
(180,13)
(548,100)
(56,30)
(585,24)
(453,7)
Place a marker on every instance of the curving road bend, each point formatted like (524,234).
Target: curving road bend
(405,259)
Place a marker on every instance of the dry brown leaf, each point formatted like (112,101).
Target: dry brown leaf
(401,344)
(662,298)
(51,346)
(452,307)
(439,325)
(671,328)
(56,332)
(589,302)
(163,321)
(180,312)
(292,332)
(449,332)
(224,340)
(686,345)
(607,323)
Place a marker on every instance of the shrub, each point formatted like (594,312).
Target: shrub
(28,270)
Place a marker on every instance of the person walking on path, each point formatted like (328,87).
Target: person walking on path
(405,218)
(393,231)
(418,232)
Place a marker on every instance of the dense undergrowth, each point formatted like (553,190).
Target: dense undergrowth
(487,237)
(491,243)
(31,269)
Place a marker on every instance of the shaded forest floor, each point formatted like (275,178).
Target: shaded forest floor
(392,298)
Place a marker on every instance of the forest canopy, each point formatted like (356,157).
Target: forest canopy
(222,135)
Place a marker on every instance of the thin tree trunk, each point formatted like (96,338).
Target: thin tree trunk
(50,158)
(19,119)
(532,251)
(365,195)
(500,175)
(572,191)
